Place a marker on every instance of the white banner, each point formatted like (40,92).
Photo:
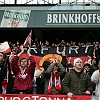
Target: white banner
(14,18)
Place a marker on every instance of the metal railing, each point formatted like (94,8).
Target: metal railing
(48,1)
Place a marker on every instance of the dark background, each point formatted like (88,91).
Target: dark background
(52,35)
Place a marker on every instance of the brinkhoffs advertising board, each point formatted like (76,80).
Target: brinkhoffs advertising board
(50,18)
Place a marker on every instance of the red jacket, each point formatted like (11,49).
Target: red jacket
(23,84)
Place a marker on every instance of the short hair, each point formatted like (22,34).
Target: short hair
(45,64)
(23,59)
(86,65)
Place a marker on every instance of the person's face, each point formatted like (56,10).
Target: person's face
(13,53)
(55,68)
(1,57)
(78,64)
(23,63)
(87,68)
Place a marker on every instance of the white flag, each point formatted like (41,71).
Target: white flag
(4,47)
(28,39)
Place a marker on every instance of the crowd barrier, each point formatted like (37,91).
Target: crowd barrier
(44,97)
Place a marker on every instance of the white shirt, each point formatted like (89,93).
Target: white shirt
(96,79)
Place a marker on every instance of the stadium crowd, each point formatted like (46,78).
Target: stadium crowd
(55,77)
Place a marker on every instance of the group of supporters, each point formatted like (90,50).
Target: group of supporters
(55,77)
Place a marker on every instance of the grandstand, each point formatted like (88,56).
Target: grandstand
(71,19)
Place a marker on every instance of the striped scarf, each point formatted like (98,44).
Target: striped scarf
(57,82)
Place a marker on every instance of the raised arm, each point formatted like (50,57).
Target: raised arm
(14,63)
(32,62)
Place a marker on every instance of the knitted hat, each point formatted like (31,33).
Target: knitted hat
(76,60)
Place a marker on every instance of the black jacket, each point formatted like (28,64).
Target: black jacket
(3,73)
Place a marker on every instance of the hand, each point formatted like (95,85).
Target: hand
(56,60)
(70,94)
(87,92)
(21,48)
(53,60)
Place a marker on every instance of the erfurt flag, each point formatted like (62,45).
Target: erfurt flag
(47,53)
(28,39)
(4,47)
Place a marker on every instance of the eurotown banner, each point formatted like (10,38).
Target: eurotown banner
(41,97)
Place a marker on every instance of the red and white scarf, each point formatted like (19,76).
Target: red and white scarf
(57,81)
(22,73)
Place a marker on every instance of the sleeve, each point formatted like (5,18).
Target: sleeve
(95,76)
(47,73)
(64,62)
(66,83)
(32,65)
(14,64)
(89,84)
(61,71)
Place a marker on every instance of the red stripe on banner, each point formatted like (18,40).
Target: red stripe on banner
(41,97)
(6,51)
(84,59)
(81,98)
(38,58)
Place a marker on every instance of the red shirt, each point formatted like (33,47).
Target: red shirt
(23,81)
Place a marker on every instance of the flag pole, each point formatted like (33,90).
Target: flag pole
(31,39)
